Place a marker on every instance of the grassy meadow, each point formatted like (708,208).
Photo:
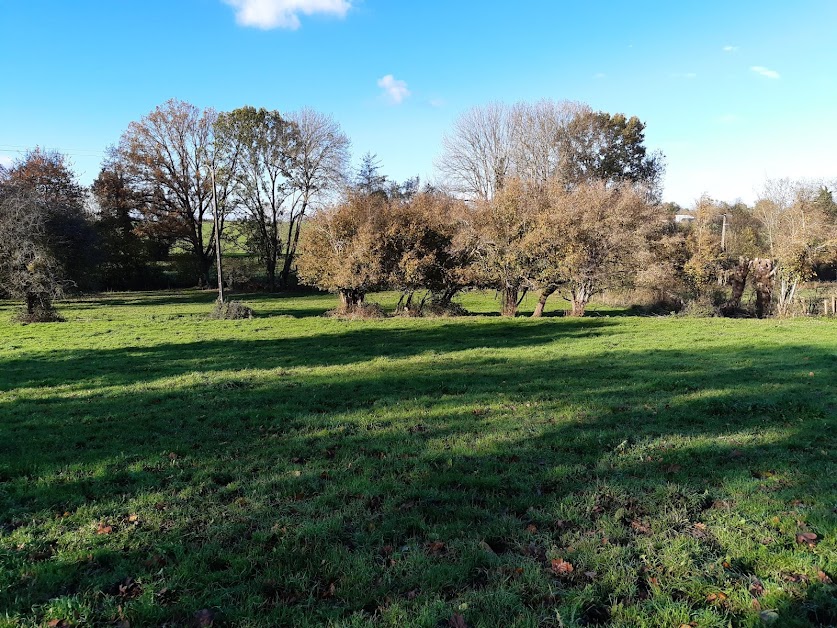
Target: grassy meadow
(160,468)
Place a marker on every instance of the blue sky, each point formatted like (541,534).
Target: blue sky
(732,92)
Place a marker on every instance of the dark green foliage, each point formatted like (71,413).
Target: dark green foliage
(125,255)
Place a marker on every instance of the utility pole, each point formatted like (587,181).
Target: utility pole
(217,221)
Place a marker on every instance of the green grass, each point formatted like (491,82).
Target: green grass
(298,470)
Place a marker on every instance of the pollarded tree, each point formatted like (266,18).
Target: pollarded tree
(498,231)
(604,233)
(342,250)
(801,232)
(420,248)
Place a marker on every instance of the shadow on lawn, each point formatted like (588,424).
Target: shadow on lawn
(352,461)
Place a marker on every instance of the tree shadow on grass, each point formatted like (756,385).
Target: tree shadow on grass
(257,494)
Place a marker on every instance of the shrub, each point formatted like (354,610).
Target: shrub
(358,312)
(39,314)
(231,311)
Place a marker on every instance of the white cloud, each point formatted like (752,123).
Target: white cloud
(267,14)
(396,91)
(730,48)
(684,75)
(437,102)
(5,161)
(599,75)
(763,71)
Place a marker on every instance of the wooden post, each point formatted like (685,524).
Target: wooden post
(217,221)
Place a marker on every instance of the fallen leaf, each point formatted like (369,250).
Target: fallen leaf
(823,577)
(720,596)
(133,518)
(807,538)
(531,528)
(756,588)
(640,527)
(435,548)
(561,567)
(104,529)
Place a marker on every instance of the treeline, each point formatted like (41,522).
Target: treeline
(552,197)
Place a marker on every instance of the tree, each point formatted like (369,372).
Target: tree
(800,233)
(262,183)
(29,268)
(48,178)
(170,155)
(498,234)
(603,237)
(124,255)
(599,146)
(368,179)
(419,249)
(477,152)
(318,169)
(342,249)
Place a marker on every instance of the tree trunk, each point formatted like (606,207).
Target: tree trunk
(580,298)
(31,303)
(351,299)
(509,304)
(271,275)
(738,281)
(763,280)
(545,294)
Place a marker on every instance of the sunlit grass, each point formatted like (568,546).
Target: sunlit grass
(300,470)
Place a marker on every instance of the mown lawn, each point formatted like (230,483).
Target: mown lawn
(160,468)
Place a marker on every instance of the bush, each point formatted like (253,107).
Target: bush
(440,309)
(231,311)
(40,314)
(706,305)
(358,312)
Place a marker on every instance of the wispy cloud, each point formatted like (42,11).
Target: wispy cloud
(599,75)
(728,118)
(684,75)
(5,161)
(765,72)
(437,102)
(268,14)
(395,91)
(729,48)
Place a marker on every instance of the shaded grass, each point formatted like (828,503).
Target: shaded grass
(297,470)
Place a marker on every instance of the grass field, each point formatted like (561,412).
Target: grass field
(159,468)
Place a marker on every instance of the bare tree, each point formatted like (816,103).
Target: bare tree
(171,156)
(477,153)
(262,182)
(318,168)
